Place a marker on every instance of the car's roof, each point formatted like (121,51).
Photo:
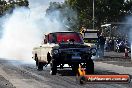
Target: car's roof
(62,32)
(65,32)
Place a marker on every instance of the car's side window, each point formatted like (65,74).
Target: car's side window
(45,39)
(52,38)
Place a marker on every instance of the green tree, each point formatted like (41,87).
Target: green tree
(22,3)
(8,7)
(106,11)
(2,6)
(63,14)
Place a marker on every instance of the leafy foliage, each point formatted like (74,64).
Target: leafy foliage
(62,13)
(8,6)
(106,11)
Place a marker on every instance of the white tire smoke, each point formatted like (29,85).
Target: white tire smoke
(24,29)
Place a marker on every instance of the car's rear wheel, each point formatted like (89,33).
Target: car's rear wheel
(90,67)
(75,68)
(40,66)
(36,59)
(53,67)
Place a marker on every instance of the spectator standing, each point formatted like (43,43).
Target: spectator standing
(101,41)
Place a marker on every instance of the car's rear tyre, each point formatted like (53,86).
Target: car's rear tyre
(75,68)
(36,59)
(40,66)
(90,67)
(53,67)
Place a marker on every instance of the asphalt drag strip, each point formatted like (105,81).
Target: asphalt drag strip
(5,83)
(27,76)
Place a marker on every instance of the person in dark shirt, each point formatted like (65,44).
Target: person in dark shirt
(101,42)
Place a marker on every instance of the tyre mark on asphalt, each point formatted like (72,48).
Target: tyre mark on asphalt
(43,77)
(71,80)
(21,78)
(56,79)
(40,77)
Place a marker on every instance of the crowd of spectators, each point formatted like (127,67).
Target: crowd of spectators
(117,45)
(112,44)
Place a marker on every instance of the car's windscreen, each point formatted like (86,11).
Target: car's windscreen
(65,37)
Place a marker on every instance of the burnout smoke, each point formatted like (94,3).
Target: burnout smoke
(24,29)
